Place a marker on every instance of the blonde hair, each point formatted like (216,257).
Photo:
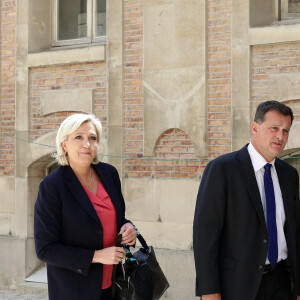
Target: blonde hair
(67,127)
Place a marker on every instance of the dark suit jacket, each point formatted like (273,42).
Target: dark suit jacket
(67,231)
(230,234)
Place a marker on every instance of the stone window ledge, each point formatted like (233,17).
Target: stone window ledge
(274,34)
(65,55)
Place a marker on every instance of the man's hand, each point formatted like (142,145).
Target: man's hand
(213,297)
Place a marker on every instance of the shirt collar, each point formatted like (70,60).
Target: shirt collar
(258,161)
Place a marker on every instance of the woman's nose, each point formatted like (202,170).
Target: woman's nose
(86,143)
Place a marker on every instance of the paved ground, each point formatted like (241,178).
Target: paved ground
(12,295)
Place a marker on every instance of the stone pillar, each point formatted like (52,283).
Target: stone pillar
(240,74)
(114,59)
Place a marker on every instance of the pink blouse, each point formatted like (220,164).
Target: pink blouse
(107,215)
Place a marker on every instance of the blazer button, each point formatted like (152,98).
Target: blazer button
(79,271)
(260,268)
(265,241)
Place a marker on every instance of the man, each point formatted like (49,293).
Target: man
(245,219)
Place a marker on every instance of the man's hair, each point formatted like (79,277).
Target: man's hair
(264,107)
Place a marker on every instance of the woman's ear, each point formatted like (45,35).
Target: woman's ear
(63,144)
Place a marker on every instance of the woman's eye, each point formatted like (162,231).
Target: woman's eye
(78,137)
(93,138)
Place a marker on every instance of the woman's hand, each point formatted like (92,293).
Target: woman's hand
(211,297)
(109,256)
(128,234)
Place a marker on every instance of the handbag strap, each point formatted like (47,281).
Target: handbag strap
(114,273)
(142,241)
(113,279)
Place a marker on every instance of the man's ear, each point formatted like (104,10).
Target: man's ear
(254,127)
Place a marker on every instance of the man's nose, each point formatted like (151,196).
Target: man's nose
(279,135)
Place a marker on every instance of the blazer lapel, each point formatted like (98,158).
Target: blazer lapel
(110,189)
(79,193)
(247,173)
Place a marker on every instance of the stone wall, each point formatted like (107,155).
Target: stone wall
(175,85)
(7,86)
(276,76)
(58,91)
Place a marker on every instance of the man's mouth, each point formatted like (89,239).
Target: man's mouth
(279,144)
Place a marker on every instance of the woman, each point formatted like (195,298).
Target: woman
(78,213)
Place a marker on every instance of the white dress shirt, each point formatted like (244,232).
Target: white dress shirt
(258,163)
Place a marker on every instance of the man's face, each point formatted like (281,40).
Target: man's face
(270,137)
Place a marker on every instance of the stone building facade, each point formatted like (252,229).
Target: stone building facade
(175,84)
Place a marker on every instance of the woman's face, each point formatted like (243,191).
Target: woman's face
(81,145)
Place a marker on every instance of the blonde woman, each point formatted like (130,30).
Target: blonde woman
(78,213)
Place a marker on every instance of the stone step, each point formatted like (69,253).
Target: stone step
(33,288)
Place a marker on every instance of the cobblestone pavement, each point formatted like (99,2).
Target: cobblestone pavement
(13,295)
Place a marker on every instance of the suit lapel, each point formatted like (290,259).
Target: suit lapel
(247,173)
(79,193)
(285,190)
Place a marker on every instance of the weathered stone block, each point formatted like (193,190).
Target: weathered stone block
(170,96)
(294,136)
(142,203)
(7,187)
(80,100)
(284,86)
(174,264)
(5,227)
(177,200)
(166,235)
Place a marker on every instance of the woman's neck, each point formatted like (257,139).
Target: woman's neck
(82,172)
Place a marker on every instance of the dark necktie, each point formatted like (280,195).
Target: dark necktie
(271,216)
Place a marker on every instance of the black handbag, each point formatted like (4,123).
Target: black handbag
(139,277)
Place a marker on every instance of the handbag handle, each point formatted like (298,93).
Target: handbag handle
(141,239)
(128,254)
(139,236)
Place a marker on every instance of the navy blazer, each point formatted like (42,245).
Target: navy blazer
(230,233)
(67,231)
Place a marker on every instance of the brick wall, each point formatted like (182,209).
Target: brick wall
(219,99)
(178,154)
(219,76)
(133,87)
(7,85)
(273,59)
(174,157)
(93,75)
(69,76)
